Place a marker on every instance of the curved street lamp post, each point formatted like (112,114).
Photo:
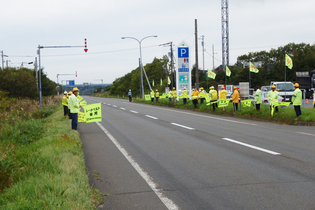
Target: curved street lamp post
(141,67)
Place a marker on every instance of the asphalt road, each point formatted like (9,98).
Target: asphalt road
(150,157)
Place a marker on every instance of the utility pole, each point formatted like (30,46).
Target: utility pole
(225,35)
(196,52)
(203,55)
(2,55)
(171,65)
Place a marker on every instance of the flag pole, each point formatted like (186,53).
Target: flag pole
(249,74)
(285,79)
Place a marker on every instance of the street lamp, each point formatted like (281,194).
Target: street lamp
(141,68)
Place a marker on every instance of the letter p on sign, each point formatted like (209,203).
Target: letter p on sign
(183,52)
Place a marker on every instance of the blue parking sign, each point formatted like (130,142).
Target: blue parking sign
(183,52)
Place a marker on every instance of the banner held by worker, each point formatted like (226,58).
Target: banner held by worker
(93,113)
(81,117)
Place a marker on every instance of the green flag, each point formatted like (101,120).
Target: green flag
(81,117)
(161,82)
(147,97)
(153,83)
(211,74)
(223,102)
(288,61)
(169,81)
(253,68)
(227,71)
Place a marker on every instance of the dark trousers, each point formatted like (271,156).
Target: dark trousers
(257,107)
(214,105)
(201,100)
(297,110)
(235,106)
(184,100)
(70,114)
(152,99)
(195,102)
(170,99)
(74,123)
(156,99)
(130,98)
(65,110)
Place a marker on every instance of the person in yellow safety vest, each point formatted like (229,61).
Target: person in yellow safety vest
(222,95)
(195,96)
(297,99)
(65,104)
(273,96)
(235,98)
(157,95)
(69,113)
(214,97)
(152,95)
(74,108)
(258,99)
(170,95)
(185,96)
(202,95)
(174,94)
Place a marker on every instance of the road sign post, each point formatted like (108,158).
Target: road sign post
(183,73)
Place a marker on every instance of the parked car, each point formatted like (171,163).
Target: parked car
(265,100)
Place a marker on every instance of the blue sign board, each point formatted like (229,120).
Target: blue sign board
(71,82)
(183,52)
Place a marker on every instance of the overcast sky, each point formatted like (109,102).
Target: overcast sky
(254,25)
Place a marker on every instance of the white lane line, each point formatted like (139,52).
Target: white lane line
(122,108)
(108,104)
(104,103)
(179,125)
(114,106)
(251,146)
(205,116)
(151,117)
(154,186)
(309,134)
(133,111)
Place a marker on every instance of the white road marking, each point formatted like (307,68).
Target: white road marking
(151,117)
(108,104)
(122,108)
(114,106)
(154,186)
(133,111)
(104,103)
(251,146)
(309,134)
(189,128)
(205,116)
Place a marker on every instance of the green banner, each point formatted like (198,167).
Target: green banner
(246,103)
(282,104)
(223,102)
(93,113)
(79,97)
(147,97)
(212,103)
(81,117)
(208,99)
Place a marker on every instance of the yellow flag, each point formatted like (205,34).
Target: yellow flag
(288,61)
(211,74)
(253,68)
(169,81)
(227,71)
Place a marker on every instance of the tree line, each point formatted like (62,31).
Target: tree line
(271,67)
(21,83)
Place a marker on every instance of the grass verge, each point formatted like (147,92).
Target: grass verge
(42,166)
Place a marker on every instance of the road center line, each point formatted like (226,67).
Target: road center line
(251,146)
(114,106)
(151,117)
(159,192)
(309,134)
(183,126)
(122,108)
(133,111)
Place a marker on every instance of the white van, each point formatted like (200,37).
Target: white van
(286,89)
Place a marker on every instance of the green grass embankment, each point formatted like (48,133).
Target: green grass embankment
(42,163)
